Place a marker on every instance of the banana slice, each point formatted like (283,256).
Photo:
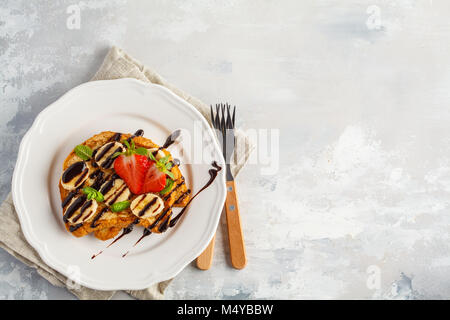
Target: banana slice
(80,210)
(103,156)
(75,175)
(157,153)
(147,205)
(115,190)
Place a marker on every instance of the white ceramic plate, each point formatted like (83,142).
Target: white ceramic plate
(123,105)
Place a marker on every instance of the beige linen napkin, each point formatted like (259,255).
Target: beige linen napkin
(117,64)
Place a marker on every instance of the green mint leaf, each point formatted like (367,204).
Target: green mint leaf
(88,190)
(84,152)
(93,194)
(120,206)
(168,187)
(142,151)
(99,196)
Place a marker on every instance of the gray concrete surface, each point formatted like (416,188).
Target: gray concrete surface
(358,91)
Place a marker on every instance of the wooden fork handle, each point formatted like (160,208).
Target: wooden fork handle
(235,237)
(204,260)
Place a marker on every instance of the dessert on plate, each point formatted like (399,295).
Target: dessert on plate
(113,181)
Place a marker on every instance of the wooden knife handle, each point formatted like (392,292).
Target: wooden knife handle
(235,237)
(204,260)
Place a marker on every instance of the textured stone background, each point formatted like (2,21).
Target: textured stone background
(358,90)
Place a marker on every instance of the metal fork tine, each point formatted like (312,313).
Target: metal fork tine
(229,124)
(212,116)
(234,113)
(224,132)
(217,117)
(222,123)
(223,120)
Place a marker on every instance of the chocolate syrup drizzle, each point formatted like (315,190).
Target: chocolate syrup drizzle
(116,137)
(125,231)
(110,160)
(99,179)
(168,222)
(212,175)
(138,133)
(106,148)
(77,203)
(171,139)
(69,197)
(147,206)
(77,168)
(97,217)
(75,227)
(85,205)
(167,196)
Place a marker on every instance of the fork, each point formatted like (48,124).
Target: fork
(223,122)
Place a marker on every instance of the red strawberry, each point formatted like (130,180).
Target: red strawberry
(155,180)
(132,169)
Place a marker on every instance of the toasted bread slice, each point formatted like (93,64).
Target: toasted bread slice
(97,218)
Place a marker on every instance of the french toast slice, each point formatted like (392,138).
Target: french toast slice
(83,216)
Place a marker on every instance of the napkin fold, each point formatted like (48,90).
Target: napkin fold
(117,64)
